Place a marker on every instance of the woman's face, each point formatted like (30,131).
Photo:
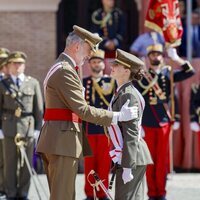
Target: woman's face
(118,72)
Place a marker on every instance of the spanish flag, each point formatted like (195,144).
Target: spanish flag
(164,16)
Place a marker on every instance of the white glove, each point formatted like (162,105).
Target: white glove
(1,134)
(194,126)
(127,113)
(127,175)
(176,126)
(172,53)
(36,135)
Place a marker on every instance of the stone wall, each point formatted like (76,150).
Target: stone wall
(31,28)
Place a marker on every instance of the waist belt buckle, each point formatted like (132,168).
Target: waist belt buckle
(18,112)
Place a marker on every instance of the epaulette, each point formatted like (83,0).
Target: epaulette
(28,78)
(64,64)
(194,87)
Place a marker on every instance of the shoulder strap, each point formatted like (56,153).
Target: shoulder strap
(12,94)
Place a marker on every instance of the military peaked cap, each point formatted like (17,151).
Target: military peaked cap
(127,59)
(4,53)
(91,38)
(155,48)
(98,54)
(17,56)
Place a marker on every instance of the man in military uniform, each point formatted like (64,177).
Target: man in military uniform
(62,142)
(3,73)
(99,89)
(3,68)
(156,89)
(109,23)
(21,109)
(195,107)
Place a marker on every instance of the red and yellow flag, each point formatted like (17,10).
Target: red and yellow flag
(164,16)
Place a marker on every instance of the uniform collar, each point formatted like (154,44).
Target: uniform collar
(71,59)
(21,77)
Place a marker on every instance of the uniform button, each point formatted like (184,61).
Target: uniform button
(71,129)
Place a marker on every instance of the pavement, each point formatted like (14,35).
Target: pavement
(180,186)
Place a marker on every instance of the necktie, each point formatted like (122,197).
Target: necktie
(17,82)
(77,70)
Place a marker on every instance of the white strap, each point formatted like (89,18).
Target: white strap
(50,73)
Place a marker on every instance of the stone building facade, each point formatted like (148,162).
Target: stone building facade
(30,26)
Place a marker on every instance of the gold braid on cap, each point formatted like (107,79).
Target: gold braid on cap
(123,63)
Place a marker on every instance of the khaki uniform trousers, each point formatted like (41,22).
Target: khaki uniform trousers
(61,173)
(17,181)
(133,190)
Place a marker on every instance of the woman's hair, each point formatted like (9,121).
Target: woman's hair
(136,74)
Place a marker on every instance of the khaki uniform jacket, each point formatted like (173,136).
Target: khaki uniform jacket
(65,90)
(135,151)
(29,94)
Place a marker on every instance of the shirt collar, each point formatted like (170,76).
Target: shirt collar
(21,77)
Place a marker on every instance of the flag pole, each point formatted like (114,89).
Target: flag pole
(189,27)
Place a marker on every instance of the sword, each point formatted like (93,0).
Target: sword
(20,143)
(98,182)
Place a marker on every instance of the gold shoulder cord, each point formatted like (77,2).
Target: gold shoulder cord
(147,87)
(102,22)
(101,92)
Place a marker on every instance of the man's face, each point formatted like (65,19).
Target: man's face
(16,68)
(83,53)
(108,3)
(155,58)
(97,65)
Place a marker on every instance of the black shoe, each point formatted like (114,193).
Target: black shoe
(152,198)
(104,198)
(11,198)
(22,198)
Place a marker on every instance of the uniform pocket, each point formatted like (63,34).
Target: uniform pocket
(70,126)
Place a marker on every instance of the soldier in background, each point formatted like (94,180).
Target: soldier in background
(195,119)
(99,90)
(3,73)
(3,68)
(156,122)
(21,109)
(195,107)
(109,23)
